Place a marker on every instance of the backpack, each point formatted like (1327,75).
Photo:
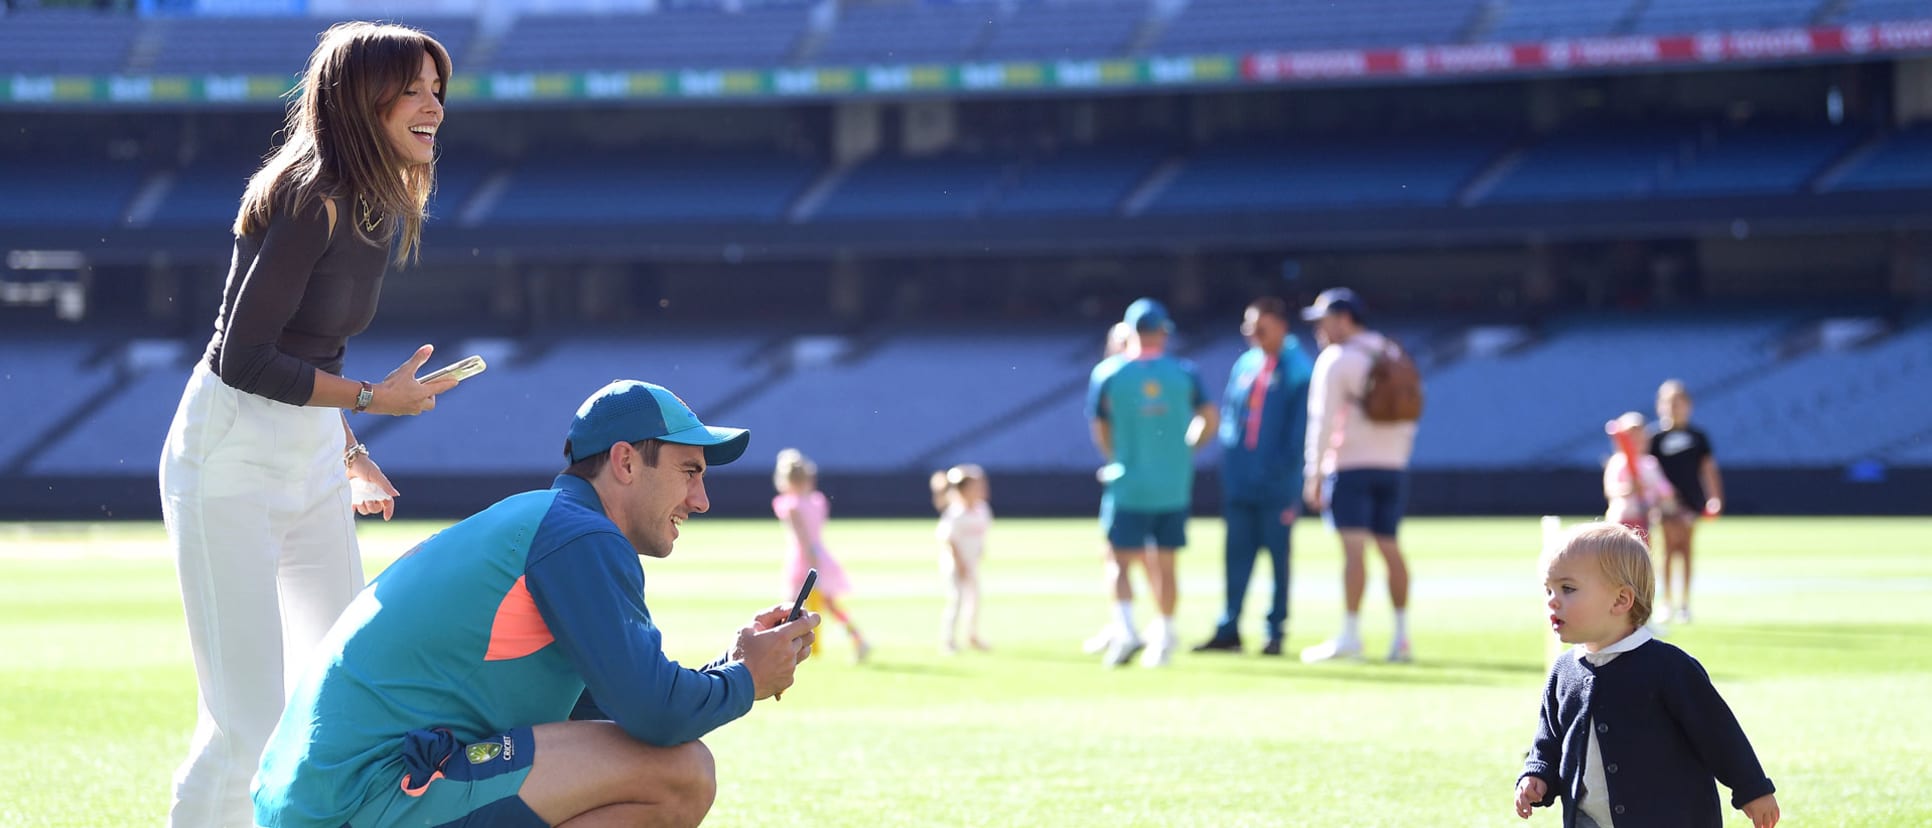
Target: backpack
(1393,393)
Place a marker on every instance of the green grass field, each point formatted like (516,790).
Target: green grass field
(1817,631)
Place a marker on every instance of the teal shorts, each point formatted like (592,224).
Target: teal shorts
(448,782)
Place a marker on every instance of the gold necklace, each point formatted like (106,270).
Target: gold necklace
(371,221)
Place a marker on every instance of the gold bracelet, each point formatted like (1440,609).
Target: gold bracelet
(357,450)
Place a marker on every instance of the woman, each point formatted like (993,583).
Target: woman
(256,473)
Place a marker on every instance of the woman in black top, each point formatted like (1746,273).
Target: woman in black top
(255,476)
(1685,455)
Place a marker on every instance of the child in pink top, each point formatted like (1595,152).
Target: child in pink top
(803,509)
(1633,492)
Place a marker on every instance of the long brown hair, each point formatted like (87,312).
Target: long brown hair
(334,145)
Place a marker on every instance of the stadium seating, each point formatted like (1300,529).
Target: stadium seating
(68,192)
(1760,160)
(1583,164)
(1796,414)
(565,186)
(1313,174)
(759,36)
(1065,30)
(1014,399)
(45,382)
(1902,160)
(1221,26)
(896,403)
(514,420)
(1584,371)
(1879,11)
(1077,181)
(65,42)
(1525,20)
(270,45)
(1679,16)
(905,32)
(938,187)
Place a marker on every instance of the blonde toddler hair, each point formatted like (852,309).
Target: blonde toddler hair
(946,482)
(792,467)
(1622,557)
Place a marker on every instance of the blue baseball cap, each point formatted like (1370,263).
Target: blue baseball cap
(1147,316)
(627,411)
(1332,300)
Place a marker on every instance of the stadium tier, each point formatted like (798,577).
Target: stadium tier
(260,45)
(1676,16)
(566,186)
(1208,26)
(1012,398)
(552,185)
(763,35)
(66,42)
(773,34)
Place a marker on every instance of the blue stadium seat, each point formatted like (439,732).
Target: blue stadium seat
(1903,160)
(1683,16)
(1753,160)
(910,395)
(40,191)
(758,36)
(1611,163)
(1236,26)
(1587,369)
(1084,181)
(273,45)
(1527,20)
(607,187)
(1066,31)
(512,418)
(43,382)
(894,33)
(1880,11)
(947,186)
(65,42)
(1316,174)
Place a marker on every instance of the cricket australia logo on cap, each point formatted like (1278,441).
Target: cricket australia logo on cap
(483,752)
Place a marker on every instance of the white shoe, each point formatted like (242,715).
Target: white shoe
(1682,616)
(1121,651)
(1399,652)
(1157,655)
(1331,650)
(1099,642)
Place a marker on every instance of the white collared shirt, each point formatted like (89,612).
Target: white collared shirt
(1594,802)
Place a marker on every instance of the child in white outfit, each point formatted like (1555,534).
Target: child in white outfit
(959,493)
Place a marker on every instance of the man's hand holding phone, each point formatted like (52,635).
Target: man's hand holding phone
(777,641)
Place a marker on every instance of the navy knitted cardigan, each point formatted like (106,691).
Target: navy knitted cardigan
(1663,733)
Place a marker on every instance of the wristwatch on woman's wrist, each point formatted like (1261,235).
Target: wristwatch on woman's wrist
(364,397)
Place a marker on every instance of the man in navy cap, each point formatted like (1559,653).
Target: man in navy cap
(445,693)
(1355,468)
(1149,413)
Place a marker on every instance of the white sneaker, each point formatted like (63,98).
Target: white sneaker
(1157,655)
(1682,616)
(1099,642)
(1331,650)
(1399,652)
(1121,651)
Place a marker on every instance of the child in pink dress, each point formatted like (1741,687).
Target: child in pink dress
(1633,491)
(803,509)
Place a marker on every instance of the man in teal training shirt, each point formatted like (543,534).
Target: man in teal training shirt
(445,694)
(1149,414)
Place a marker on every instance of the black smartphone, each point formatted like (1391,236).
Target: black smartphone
(805,591)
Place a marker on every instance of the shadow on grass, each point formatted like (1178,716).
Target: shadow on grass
(1420,673)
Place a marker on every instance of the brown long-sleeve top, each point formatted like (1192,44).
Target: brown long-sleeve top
(296,292)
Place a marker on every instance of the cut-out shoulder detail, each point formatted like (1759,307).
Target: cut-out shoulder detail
(328,206)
